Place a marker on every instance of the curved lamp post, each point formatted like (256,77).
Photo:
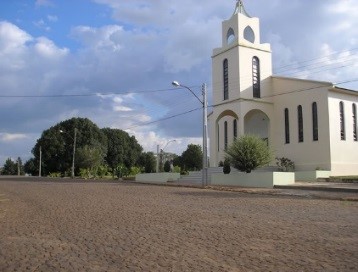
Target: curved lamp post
(162,152)
(74,151)
(205,128)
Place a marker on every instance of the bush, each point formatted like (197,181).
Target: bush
(134,171)
(167,166)
(285,165)
(221,164)
(55,175)
(248,153)
(226,167)
(176,169)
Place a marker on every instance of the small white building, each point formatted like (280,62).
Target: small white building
(312,123)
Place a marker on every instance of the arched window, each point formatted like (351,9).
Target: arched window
(314,121)
(256,77)
(354,109)
(300,124)
(226,79)
(249,34)
(341,119)
(218,137)
(225,135)
(287,127)
(230,36)
(235,129)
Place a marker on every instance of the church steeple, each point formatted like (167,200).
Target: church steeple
(240,9)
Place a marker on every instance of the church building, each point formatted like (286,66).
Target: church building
(313,123)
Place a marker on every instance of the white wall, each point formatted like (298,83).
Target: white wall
(307,155)
(344,152)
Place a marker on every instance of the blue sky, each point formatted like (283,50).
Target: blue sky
(134,49)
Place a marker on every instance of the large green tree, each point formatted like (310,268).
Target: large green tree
(56,144)
(122,149)
(147,162)
(192,158)
(10,167)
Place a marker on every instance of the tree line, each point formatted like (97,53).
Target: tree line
(98,152)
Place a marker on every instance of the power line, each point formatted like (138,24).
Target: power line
(163,119)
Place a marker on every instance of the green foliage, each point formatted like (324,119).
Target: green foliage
(122,171)
(102,171)
(226,167)
(285,164)
(90,158)
(221,164)
(147,162)
(184,172)
(121,148)
(55,175)
(57,147)
(192,158)
(134,171)
(248,153)
(176,169)
(9,168)
(30,167)
(167,166)
(85,173)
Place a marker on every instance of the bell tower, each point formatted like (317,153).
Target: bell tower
(242,62)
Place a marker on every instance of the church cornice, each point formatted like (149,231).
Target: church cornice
(245,45)
(261,101)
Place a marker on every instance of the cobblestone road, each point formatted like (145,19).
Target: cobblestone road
(53,226)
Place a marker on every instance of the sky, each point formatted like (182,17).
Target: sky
(113,61)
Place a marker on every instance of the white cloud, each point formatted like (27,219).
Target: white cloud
(12,38)
(42,25)
(104,38)
(122,108)
(45,3)
(52,18)
(47,48)
(7,137)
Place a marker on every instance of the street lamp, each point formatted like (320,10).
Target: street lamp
(162,153)
(73,153)
(205,128)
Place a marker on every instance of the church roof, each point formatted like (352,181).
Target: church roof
(241,9)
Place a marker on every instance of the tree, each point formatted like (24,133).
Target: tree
(167,166)
(121,149)
(10,167)
(192,158)
(30,167)
(148,162)
(91,158)
(57,147)
(248,153)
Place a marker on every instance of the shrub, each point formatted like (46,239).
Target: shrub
(285,164)
(176,169)
(134,171)
(85,173)
(226,167)
(55,175)
(248,153)
(221,164)
(167,166)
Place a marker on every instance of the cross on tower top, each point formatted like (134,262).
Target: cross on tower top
(240,8)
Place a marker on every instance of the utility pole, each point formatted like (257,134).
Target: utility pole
(73,155)
(205,137)
(40,162)
(157,168)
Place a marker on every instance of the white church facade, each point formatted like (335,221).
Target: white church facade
(312,123)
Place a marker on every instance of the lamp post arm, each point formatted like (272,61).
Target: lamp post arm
(192,93)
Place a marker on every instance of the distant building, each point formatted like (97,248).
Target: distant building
(313,123)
